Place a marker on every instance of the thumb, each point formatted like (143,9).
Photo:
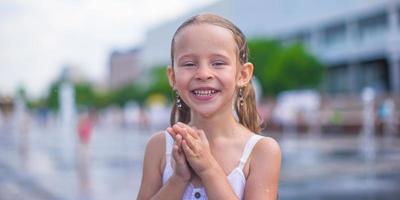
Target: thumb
(177,151)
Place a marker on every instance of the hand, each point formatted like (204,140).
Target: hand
(195,147)
(182,169)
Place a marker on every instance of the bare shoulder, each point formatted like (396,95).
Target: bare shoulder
(153,159)
(155,150)
(267,147)
(263,179)
(156,143)
(156,138)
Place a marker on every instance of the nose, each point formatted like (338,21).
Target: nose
(203,72)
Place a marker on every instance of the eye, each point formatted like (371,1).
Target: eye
(188,64)
(218,63)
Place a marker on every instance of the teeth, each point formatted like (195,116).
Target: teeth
(204,92)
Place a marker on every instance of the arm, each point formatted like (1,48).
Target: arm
(151,185)
(264,169)
(216,183)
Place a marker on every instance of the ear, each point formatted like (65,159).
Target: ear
(171,76)
(245,74)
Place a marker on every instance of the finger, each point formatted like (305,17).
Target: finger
(189,139)
(186,131)
(182,130)
(189,129)
(193,132)
(175,152)
(171,132)
(186,149)
(178,129)
(178,155)
(178,142)
(202,135)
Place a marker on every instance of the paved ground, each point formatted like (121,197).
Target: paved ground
(42,165)
(340,168)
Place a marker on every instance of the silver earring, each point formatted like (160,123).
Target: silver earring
(178,100)
(241,98)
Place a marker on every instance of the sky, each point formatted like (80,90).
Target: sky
(39,37)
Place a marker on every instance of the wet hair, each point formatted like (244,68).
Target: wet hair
(247,112)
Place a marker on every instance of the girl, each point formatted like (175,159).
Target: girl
(211,152)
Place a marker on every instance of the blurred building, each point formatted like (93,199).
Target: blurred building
(124,67)
(358,40)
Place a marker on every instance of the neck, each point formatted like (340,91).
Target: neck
(216,126)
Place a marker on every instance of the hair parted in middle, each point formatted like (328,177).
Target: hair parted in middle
(245,106)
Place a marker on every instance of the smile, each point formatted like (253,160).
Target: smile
(204,94)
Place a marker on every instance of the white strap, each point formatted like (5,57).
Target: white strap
(248,148)
(169,142)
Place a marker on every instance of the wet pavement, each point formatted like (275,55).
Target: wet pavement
(45,167)
(335,167)
(41,164)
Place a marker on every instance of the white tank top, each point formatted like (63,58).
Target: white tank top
(236,178)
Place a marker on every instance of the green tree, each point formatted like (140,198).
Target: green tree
(103,99)
(261,52)
(128,93)
(52,96)
(284,68)
(159,84)
(85,94)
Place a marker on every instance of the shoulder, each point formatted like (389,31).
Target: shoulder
(267,144)
(266,149)
(155,149)
(264,170)
(156,142)
(152,171)
(157,138)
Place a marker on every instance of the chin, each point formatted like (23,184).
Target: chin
(205,112)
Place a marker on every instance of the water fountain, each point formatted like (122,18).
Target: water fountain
(367,139)
(367,145)
(290,105)
(21,130)
(67,119)
(19,112)
(285,114)
(389,122)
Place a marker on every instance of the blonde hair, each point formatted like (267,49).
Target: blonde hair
(247,112)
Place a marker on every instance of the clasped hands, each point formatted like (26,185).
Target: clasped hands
(191,151)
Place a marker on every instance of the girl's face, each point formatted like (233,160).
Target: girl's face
(205,68)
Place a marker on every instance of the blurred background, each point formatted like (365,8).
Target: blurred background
(83,87)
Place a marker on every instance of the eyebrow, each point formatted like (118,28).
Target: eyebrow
(218,54)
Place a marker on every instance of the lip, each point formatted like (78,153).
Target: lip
(204,94)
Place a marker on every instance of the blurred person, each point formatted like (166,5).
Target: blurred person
(210,151)
(85,128)
(84,173)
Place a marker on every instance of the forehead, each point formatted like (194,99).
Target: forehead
(204,37)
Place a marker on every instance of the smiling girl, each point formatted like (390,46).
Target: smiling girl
(211,151)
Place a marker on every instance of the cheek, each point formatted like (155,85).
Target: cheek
(229,80)
(181,81)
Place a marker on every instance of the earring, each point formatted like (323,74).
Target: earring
(178,100)
(241,98)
